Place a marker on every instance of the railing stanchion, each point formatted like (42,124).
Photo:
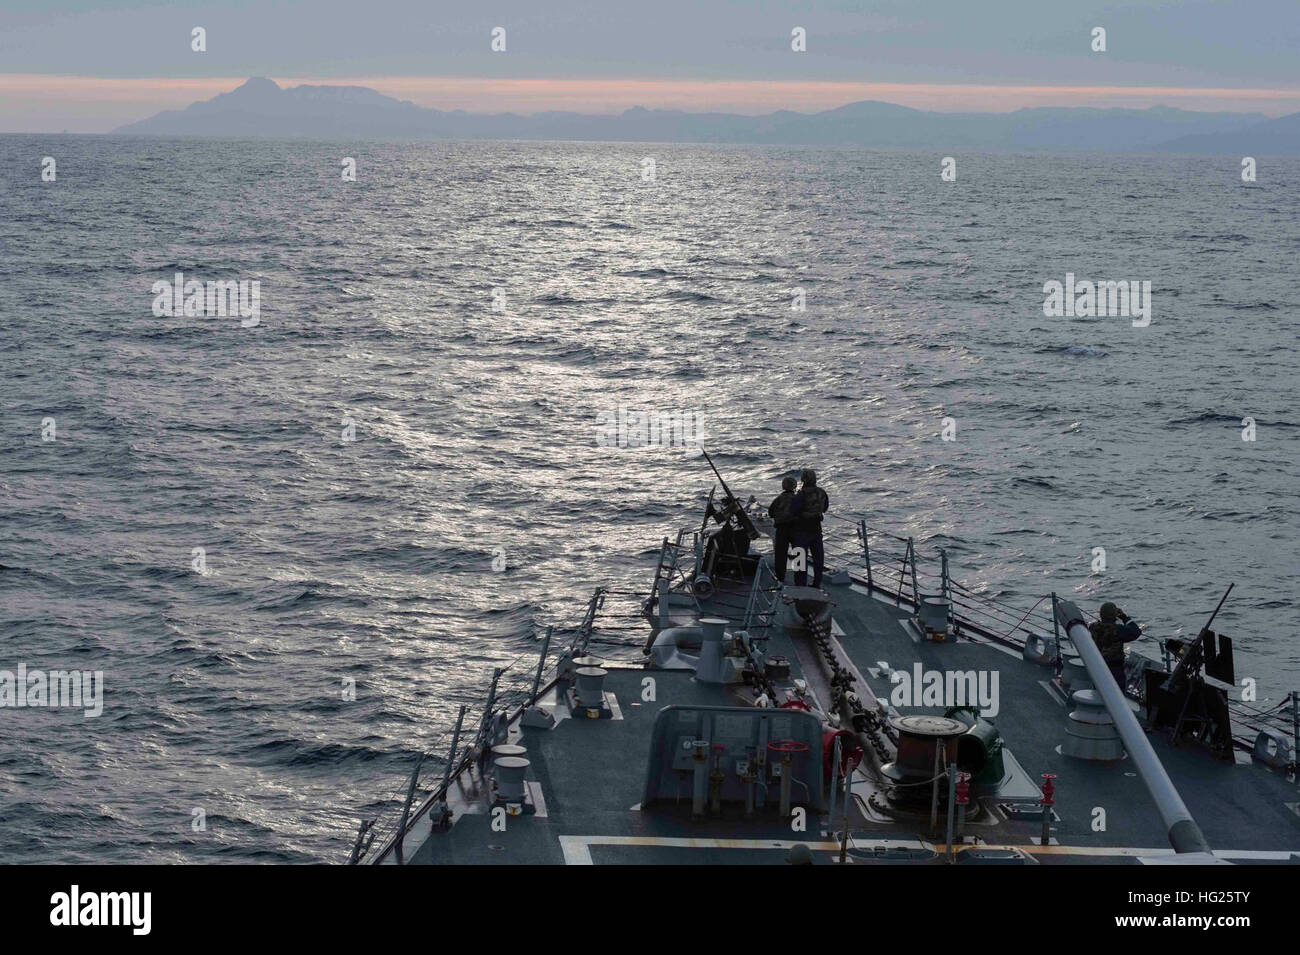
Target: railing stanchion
(902,573)
(1295,732)
(406,809)
(945,588)
(916,592)
(451,757)
(362,844)
(486,723)
(1056,635)
(866,552)
(541,664)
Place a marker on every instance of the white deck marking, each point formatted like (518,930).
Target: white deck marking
(612,702)
(539,799)
(577,849)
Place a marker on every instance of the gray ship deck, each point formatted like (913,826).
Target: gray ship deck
(1247,811)
(587,776)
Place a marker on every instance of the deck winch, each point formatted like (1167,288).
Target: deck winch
(979,749)
(926,745)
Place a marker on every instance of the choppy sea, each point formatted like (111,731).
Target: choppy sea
(471,310)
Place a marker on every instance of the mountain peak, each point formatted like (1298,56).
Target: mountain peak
(261,107)
(258,84)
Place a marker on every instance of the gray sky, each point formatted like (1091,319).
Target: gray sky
(610,54)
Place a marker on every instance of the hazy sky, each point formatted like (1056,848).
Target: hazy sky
(87,66)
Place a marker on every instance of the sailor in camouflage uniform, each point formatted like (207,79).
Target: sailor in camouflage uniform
(1110,633)
(809,505)
(781,512)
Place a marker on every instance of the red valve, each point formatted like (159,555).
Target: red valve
(787,746)
(795,705)
(1048,789)
(963,788)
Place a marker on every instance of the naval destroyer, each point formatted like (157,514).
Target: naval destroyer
(891,716)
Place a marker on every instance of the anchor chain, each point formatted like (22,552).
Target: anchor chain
(878,733)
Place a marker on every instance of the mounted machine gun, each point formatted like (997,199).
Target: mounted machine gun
(1193,699)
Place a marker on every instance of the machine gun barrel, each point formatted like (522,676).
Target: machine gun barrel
(1193,653)
(1218,608)
(735,504)
(721,480)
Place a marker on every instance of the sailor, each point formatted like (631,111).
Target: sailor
(1110,633)
(780,510)
(809,505)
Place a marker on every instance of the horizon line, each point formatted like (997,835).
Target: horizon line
(59,100)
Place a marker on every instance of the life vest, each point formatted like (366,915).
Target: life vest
(779,510)
(1106,636)
(815,503)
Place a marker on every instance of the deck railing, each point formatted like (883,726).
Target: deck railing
(513,688)
(889,566)
(894,568)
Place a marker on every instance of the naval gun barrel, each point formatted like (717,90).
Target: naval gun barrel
(1184,834)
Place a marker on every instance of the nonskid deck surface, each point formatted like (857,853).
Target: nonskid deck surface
(1242,808)
(588,775)
(591,774)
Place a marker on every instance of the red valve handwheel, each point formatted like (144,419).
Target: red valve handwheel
(787,746)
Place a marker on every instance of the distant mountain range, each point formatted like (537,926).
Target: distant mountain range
(260,107)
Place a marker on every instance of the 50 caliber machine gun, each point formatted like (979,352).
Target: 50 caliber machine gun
(731,506)
(726,544)
(1193,699)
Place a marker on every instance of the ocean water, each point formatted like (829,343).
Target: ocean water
(475,431)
